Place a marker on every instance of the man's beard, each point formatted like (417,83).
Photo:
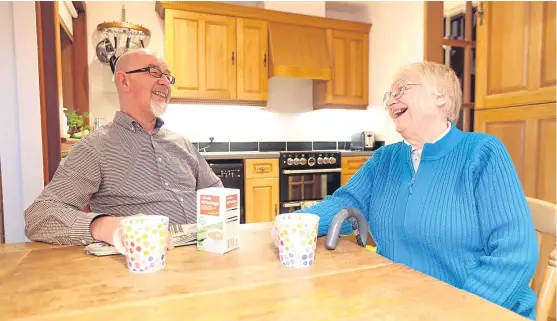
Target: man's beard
(158,108)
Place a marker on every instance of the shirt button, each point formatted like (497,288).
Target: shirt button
(166,183)
(181,200)
(159,159)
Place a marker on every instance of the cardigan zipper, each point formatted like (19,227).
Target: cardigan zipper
(411,183)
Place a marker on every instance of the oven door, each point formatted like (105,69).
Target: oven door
(299,187)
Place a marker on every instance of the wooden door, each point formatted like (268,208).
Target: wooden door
(515,54)
(528,133)
(262,199)
(201,53)
(349,63)
(253,59)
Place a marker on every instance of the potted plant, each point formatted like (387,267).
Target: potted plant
(77,128)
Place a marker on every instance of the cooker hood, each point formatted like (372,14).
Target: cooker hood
(298,51)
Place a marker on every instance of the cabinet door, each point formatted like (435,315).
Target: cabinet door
(201,52)
(253,59)
(344,178)
(349,63)
(262,199)
(528,133)
(516,54)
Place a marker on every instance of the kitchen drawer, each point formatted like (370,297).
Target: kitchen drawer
(262,168)
(351,164)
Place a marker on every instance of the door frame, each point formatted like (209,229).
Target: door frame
(50,73)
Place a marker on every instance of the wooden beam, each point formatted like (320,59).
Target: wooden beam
(459,43)
(433,31)
(80,65)
(48,43)
(79,6)
(66,30)
(224,9)
(466,95)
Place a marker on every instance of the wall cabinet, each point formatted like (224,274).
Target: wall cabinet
(515,54)
(261,190)
(349,166)
(216,57)
(221,53)
(348,56)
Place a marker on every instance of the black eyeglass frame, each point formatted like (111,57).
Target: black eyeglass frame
(171,79)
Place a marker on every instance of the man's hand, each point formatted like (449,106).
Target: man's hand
(102,228)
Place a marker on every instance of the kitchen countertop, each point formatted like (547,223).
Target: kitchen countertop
(255,155)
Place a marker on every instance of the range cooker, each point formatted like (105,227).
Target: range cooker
(307,177)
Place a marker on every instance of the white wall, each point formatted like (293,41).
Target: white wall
(20,133)
(288,115)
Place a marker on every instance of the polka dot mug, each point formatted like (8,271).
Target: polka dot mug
(142,239)
(295,236)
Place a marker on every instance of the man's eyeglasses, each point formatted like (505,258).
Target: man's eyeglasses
(399,87)
(155,72)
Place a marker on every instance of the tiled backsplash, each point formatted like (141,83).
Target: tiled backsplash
(275,146)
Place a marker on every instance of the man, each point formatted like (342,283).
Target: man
(127,167)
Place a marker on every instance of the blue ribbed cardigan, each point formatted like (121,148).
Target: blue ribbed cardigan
(461,218)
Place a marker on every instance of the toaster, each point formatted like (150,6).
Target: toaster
(364,140)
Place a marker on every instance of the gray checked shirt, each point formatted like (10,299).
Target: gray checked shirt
(119,170)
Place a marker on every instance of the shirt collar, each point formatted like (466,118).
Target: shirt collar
(445,132)
(131,124)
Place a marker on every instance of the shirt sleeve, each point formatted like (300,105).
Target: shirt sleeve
(511,250)
(57,216)
(356,194)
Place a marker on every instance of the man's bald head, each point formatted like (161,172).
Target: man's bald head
(135,59)
(141,82)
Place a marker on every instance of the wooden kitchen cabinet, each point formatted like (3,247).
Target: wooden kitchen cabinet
(201,53)
(349,60)
(349,166)
(253,60)
(216,57)
(261,190)
(528,133)
(515,54)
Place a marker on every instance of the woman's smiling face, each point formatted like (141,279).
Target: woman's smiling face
(412,105)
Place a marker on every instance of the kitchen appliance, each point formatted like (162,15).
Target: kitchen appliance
(306,177)
(364,140)
(231,174)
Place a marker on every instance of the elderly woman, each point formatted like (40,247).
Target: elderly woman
(444,202)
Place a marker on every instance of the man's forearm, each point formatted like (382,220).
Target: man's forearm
(50,222)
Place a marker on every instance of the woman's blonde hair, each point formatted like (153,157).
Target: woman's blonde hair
(443,81)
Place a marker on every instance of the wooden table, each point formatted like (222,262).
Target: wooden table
(45,282)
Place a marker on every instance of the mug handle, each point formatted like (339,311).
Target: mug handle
(118,241)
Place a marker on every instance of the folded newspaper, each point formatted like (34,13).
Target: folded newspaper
(184,234)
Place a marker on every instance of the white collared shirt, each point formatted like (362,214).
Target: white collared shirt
(417,153)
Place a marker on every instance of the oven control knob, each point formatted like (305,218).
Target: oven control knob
(289,161)
(319,160)
(311,161)
(326,160)
(296,161)
(303,161)
(332,160)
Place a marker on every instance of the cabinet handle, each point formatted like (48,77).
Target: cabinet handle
(276,210)
(260,169)
(232,57)
(480,12)
(265,60)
